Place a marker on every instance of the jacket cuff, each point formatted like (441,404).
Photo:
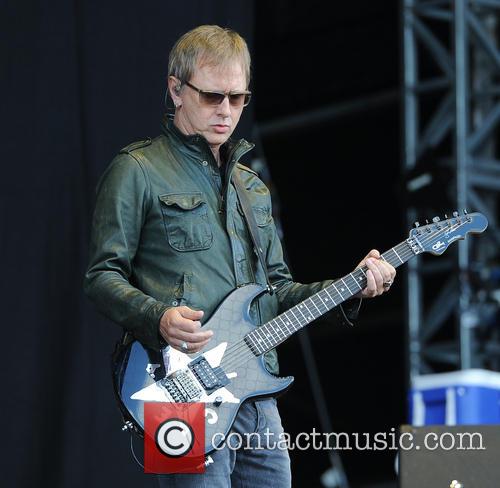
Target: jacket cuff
(150,334)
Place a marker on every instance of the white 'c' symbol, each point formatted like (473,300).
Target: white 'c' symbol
(174,437)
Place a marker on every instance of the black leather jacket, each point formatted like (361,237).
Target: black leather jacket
(168,230)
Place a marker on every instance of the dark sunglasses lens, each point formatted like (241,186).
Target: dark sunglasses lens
(238,99)
(214,98)
(211,98)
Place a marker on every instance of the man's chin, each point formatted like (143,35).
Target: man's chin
(218,139)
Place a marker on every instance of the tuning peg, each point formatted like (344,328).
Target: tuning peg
(436,219)
(417,224)
(445,216)
(455,214)
(426,221)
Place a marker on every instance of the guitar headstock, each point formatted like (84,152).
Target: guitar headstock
(435,237)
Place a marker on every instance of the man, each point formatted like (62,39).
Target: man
(170,241)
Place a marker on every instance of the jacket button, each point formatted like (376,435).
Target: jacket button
(175,303)
(205,163)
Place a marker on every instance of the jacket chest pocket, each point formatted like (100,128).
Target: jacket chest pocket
(185,216)
(261,213)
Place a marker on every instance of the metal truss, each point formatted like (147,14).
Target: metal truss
(451,119)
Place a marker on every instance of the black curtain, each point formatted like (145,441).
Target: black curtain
(79,80)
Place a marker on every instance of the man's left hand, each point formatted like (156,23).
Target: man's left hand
(379,276)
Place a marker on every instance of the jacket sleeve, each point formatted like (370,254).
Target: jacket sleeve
(123,196)
(290,293)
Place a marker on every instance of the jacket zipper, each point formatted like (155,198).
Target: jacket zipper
(231,160)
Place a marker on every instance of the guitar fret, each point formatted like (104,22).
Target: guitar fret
(390,260)
(311,316)
(290,321)
(342,292)
(251,343)
(262,336)
(345,284)
(319,304)
(406,248)
(258,337)
(331,298)
(324,304)
(355,281)
(277,330)
(362,278)
(258,347)
(268,333)
(298,308)
(284,324)
(337,290)
(395,252)
(283,328)
(319,311)
(291,310)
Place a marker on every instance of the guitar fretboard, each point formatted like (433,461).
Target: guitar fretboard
(277,330)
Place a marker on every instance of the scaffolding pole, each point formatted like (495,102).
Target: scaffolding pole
(451,113)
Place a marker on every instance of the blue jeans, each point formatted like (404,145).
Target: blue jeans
(244,468)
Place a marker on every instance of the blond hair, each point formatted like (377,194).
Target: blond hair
(211,45)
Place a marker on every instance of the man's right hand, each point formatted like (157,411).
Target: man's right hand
(182,324)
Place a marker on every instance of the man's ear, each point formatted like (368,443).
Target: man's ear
(174,89)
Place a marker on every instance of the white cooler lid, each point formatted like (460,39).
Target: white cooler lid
(465,377)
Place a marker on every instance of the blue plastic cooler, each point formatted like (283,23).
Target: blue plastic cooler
(470,396)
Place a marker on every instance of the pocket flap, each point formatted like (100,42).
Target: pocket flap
(262,216)
(186,201)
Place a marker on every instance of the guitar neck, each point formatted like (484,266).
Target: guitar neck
(279,329)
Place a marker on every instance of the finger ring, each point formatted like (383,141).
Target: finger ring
(387,284)
(184,346)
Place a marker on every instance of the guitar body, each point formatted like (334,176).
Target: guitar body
(231,368)
(138,371)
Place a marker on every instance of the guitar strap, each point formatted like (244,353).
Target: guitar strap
(251,224)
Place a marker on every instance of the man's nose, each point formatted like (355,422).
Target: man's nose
(224,108)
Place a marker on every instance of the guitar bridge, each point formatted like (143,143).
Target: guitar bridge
(181,387)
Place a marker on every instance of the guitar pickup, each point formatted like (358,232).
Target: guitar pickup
(210,378)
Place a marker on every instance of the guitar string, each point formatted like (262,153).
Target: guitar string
(271,337)
(289,324)
(316,301)
(238,346)
(274,336)
(233,353)
(233,356)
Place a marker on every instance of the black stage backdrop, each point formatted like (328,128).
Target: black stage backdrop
(81,79)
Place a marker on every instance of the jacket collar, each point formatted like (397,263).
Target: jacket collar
(197,146)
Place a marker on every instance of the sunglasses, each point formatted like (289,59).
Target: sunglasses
(211,98)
